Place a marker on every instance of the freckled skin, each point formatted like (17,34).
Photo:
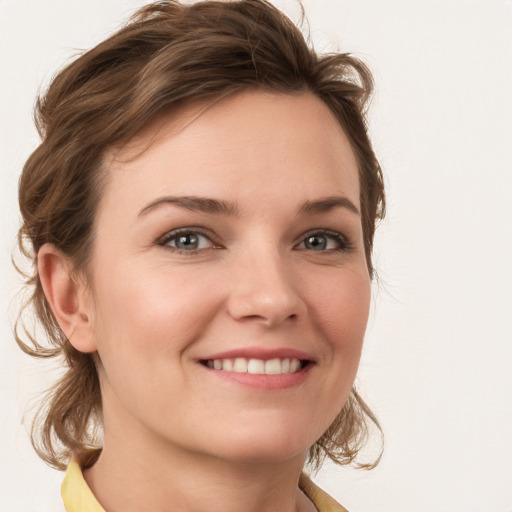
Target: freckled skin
(252,283)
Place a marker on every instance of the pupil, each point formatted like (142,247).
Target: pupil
(316,242)
(187,242)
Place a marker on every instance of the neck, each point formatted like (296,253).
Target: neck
(140,472)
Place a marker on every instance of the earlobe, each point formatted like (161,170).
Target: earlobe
(65,297)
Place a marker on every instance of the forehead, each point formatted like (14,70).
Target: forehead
(251,144)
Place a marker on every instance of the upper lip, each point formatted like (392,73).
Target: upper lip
(262,353)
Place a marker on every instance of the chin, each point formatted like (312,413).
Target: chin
(266,445)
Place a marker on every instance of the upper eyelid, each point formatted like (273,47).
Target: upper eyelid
(344,243)
(169,235)
(325,232)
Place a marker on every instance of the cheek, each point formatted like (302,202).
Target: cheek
(146,320)
(342,314)
(157,309)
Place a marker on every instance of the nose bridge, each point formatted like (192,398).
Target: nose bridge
(264,286)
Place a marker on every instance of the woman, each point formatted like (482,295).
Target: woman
(201,212)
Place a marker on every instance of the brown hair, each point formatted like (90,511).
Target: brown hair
(166,56)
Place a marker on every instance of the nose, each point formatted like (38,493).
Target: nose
(265,289)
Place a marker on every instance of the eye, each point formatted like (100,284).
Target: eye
(324,241)
(186,240)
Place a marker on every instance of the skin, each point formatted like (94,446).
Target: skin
(176,432)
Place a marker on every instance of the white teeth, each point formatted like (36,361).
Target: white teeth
(273,367)
(255,366)
(294,365)
(240,365)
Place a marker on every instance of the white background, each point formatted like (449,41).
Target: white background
(437,362)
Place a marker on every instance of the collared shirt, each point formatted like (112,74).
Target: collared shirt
(78,497)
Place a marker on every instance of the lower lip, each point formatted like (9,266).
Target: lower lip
(263,382)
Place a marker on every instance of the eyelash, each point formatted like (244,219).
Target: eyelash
(173,235)
(344,245)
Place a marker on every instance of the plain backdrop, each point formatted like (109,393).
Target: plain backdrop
(436,367)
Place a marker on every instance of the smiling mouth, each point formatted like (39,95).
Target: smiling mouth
(276,366)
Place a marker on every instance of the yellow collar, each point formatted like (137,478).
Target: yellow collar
(322,501)
(79,498)
(75,492)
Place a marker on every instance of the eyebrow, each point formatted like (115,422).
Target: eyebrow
(326,204)
(194,203)
(222,207)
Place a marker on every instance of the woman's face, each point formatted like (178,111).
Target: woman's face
(230,290)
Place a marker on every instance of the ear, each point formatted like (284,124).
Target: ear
(66,296)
